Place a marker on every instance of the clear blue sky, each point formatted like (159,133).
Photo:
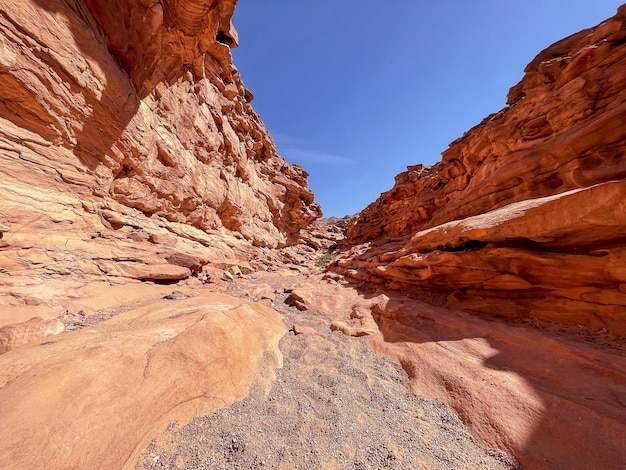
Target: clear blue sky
(356,90)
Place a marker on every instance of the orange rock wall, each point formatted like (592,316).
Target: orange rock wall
(524,215)
(138,103)
(130,159)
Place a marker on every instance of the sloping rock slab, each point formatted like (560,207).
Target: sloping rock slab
(94,398)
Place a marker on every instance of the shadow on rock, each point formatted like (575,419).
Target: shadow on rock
(552,399)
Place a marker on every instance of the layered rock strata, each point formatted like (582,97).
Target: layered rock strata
(524,215)
(130,159)
(139,103)
(534,392)
(129,151)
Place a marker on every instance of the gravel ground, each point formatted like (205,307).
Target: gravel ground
(335,405)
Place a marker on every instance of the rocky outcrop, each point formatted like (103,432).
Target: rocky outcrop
(528,390)
(138,103)
(96,397)
(138,189)
(534,392)
(524,215)
(130,160)
(129,151)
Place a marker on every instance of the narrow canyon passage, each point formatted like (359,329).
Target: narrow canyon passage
(338,404)
(334,404)
(168,298)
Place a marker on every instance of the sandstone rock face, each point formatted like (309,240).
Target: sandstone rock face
(524,215)
(28,332)
(138,103)
(528,390)
(534,392)
(130,159)
(137,186)
(98,396)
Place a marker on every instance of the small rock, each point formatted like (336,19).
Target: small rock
(186,260)
(31,331)
(268,296)
(176,295)
(235,271)
(303,330)
(138,236)
(294,301)
(349,330)
(162,239)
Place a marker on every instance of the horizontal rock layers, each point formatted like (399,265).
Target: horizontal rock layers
(524,216)
(130,159)
(138,103)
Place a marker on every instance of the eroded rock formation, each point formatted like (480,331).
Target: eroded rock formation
(146,225)
(130,159)
(98,396)
(533,392)
(524,215)
(138,103)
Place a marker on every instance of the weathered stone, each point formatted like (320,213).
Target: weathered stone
(33,330)
(163,239)
(516,387)
(349,330)
(303,330)
(169,133)
(186,260)
(125,130)
(524,215)
(235,271)
(130,377)
(145,271)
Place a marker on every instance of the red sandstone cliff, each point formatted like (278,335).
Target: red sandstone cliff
(130,158)
(138,103)
(524,216)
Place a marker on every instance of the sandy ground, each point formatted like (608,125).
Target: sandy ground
(335,405)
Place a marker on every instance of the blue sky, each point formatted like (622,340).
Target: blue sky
(356,90)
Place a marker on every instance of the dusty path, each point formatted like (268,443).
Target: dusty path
(335,404)
(553,399)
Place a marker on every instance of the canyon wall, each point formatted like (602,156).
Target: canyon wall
(524,216)
(136,105)
(145,230)
(130,159)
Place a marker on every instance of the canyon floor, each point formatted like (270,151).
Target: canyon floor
(335,404)
(269,361)
(161,303)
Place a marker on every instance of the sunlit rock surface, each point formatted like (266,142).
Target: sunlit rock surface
(524,215)
(142,211)
(138,104)
(130,160)
(94,398)
(552,399)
